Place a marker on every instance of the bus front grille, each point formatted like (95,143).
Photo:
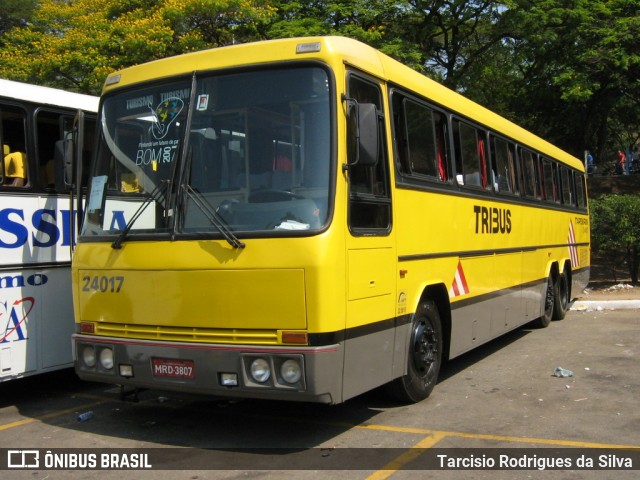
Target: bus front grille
(188,334)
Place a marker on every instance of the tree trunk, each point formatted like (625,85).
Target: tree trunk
(633,261)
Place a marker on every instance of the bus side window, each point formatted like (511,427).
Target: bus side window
(13,134)
(471,155)
(581,195)
(530,176)
(420,139)
(420,135)
(549,178)
(503,157)
(566,181)
(442,150)
(369,190)
(50,128)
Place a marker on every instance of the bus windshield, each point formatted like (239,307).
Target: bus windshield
(225,154)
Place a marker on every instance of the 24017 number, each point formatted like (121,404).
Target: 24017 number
(102,283)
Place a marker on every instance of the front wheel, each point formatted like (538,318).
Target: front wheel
(425,357)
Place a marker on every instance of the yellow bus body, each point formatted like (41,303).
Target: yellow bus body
(339,295)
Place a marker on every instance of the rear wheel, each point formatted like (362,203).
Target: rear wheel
(561,294)
(425,356)
(549,302)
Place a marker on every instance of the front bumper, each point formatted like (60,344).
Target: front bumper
(210,368)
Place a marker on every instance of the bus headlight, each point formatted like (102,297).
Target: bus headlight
(106,358)
(291,371)
(260,370)
(89,356)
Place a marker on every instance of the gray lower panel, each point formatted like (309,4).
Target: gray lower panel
(199,368)
(475,323)
(580,280)
(369,360)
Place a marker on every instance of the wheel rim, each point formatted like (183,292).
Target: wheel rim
(425,347)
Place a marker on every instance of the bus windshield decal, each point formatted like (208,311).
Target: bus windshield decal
(164,115)
(254,149)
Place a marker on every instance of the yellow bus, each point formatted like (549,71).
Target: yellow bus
(308,219)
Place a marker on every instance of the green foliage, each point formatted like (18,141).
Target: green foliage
(566,69)
(15,13)
(74,45)
(615,229)
(579,67)
(366,20)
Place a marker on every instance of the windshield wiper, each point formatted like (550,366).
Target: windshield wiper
(156,195)
(214,217)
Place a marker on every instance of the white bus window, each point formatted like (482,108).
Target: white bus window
(14,141)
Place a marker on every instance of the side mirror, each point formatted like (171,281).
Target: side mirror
(363,134)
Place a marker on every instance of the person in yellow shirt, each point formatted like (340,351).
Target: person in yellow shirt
(15,173)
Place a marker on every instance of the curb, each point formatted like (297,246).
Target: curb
(597,305)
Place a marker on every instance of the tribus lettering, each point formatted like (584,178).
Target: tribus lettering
(43,226)
(492,220)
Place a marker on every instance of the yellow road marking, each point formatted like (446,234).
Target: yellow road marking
(408,456)
(500,438)
(430,437)
(434,436)
(539,441)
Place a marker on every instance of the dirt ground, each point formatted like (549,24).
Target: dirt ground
(608,284)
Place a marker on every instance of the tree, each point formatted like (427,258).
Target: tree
(452,35)
(565,69)
(579,64)
(74,45)
(615,229)
(364,20)
(441,39)
(15,13)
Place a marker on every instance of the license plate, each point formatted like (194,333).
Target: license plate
(170,367)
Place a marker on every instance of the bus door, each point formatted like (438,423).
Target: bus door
(371,257)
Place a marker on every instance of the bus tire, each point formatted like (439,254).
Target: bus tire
(549,303)
(561,301)
(425,356)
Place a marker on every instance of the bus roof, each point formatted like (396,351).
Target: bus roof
(47,96)
(345,51)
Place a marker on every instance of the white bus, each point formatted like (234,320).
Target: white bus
(37,228)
